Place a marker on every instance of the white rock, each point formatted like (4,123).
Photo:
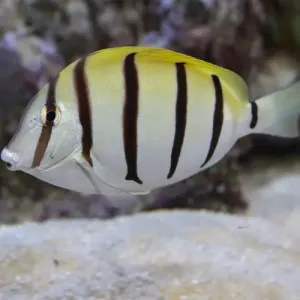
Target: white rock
(162,255)
(272,189)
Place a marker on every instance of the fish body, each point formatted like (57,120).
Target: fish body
(134,119)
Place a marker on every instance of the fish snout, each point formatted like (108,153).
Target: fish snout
(10,158)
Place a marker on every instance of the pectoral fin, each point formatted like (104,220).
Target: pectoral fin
(92,173)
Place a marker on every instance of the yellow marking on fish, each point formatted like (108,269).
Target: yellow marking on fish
(237,89)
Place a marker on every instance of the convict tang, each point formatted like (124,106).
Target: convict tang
(134,119)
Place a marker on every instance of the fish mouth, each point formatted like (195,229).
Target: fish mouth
(12,161)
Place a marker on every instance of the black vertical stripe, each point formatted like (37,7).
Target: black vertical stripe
(84,109)
(46,132)
(130,117)
(254,115)
(217,118)
(181,111)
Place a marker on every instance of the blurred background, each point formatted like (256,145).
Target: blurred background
(258,39)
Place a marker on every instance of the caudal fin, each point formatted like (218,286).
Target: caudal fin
(275,114)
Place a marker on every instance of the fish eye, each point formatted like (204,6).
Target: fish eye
(51,117)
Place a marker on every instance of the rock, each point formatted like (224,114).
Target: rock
(163,255)
(272,188)
(10,16)
(276,72)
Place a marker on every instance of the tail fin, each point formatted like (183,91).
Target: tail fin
(275,114)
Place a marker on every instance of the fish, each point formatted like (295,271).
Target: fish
(130,120)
